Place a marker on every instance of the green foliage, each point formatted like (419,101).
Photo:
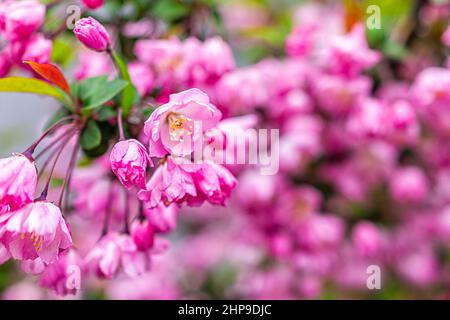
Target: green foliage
(30,85)
(104,94)
(130,95)
(91,136)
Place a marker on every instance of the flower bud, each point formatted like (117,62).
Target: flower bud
(92,34)
(129,160)
(143,235)
(93,4)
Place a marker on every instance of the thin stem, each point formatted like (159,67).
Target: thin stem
(29,152)
(52,145)
(49,179)
(108,210)
(69,171)
(120,124)
(141,216)
(126,225)
(110,52)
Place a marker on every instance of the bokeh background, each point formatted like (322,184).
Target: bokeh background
(346,197)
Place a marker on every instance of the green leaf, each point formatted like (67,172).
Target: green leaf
(89,86)
(105,93)
(130,95)
(106,113)
(30,85)
(91,136)
(170,10)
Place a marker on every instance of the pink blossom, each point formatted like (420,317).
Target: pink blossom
(170,183)
(301,40)
(92,34)
(93,4)
(38,49)
(178,126)
(446,37)
(419,267)
(92,64)
(56,275)
(143,234)
(179,180)
(142,77)
(350,54)
(129,161)
(117,253)
(367,239)
(18,178)
(321,232)
(162,218)
(214,183)
(337,95)
(370,119)
(36,230)
(409,185)
(19,19)
(204,63)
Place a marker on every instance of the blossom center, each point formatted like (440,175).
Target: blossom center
(179,125)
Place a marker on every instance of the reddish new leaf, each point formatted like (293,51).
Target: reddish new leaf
(51,73)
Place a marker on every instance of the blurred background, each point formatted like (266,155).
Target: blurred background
(350,193)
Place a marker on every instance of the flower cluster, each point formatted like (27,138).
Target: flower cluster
(363,155)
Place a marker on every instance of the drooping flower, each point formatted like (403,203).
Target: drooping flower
(170,183)
(143,234)
(18,180)
(115,253)
(129,161)
(175,127)
(179,180)
(162,218)
(214,183)
(92,34)
(35,230)
(64,275)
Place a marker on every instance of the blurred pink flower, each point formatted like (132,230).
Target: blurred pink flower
(409,185)
(19,19)
(367,239)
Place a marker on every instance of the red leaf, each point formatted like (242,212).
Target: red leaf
(51,73)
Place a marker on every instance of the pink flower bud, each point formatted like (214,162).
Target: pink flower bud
(18,180)
(92,34)
(93,4)
(143,235)
(129,160)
